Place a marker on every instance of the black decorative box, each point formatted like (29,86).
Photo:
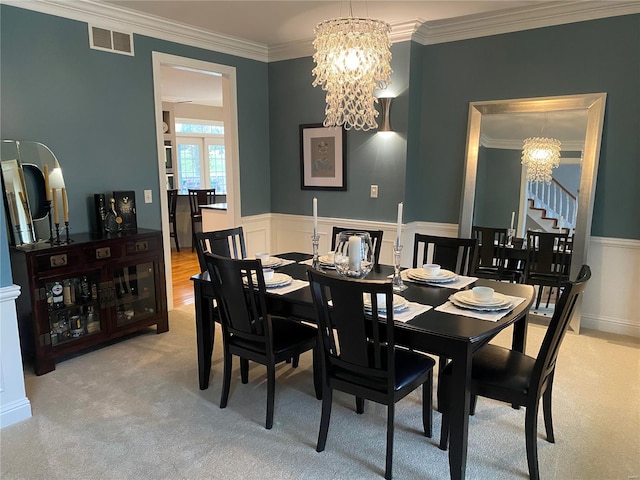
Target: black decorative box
(126,209)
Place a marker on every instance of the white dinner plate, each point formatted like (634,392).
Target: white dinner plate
(272,262)
(278,280)
(469,298)
(420,275)
(399,303)
(461,302)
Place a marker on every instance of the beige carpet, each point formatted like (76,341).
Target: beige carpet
(133,410)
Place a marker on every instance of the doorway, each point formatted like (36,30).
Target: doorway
(228,112)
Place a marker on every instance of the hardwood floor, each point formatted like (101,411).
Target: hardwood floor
(184,265)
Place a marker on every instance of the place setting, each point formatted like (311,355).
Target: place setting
(280,283)
(269,261)
(480,302)
(432,274)
(403,310)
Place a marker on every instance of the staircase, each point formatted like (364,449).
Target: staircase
(551,207)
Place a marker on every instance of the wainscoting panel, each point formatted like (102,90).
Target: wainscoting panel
(612,298)
(257,233)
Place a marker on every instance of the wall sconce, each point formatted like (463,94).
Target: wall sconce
(385,122)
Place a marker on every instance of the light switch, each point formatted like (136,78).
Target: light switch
(374,191)
(147,196)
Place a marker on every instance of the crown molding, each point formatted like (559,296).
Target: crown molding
(524,18)
(400,32)
(127,21)
(426,33)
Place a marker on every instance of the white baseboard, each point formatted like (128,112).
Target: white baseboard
(611,302)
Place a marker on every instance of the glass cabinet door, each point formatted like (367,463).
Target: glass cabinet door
(135,293)
(73,308)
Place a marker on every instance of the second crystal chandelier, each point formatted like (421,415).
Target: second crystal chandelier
(352,60)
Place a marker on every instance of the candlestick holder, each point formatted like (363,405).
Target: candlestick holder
(315,240)
(57,241)
(66,231)
(398,284)
(48,204)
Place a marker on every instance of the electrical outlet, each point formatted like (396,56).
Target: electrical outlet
(374,191)
(147,196)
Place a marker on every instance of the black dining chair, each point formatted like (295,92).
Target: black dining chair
(454,254)
(198,197)
(359,355)
(172,197)
(226,243)
(490,261)
(376,240)
(518,379)
(250,332)
(547,264)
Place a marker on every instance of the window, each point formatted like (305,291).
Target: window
(201,150)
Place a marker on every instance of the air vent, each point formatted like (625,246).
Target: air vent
(110,41)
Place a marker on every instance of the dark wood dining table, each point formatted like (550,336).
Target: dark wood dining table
(455,337)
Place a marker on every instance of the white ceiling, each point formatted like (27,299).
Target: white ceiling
(277,22)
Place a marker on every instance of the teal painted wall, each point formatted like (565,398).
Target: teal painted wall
(586,57)
(497,187)
(95,110)
(371,158)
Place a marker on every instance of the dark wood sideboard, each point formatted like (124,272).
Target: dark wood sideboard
(87,292)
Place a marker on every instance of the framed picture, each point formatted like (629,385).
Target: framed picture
(323,164)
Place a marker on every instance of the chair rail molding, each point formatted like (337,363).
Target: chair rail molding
(14,404)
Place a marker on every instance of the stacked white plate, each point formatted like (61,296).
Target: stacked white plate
(399,303)
(466,299)
(273,262)
(278,280)
(325,262)
(421,275)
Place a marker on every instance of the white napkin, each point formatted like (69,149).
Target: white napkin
(449,307)
(307,262)
(414,310)
(292,287)
(459,283)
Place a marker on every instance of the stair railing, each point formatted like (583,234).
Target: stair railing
(558,202)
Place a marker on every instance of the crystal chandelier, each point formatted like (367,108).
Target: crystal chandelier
(540,155)
(352,60)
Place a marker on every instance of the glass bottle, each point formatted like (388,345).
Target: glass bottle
(57,294)
(66,293)
(84,288)
(112,222)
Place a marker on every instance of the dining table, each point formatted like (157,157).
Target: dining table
(453,336)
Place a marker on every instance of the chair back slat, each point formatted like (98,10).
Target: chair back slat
(547,254)
(376,240)
(239,289)
(548,354)
(454,254)
(355,342)
(226,243)
(172,196)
